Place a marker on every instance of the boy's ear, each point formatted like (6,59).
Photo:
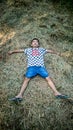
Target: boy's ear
(31,45)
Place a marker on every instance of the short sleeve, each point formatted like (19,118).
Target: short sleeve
(44,51)
(25,51)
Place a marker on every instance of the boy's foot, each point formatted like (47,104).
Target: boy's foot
(17,99)
(62,96)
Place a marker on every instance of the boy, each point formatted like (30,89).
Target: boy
(35,66)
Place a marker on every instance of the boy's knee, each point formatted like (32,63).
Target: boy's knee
(48,79)
(27,79)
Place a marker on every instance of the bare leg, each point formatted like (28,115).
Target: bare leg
(52,86)
(24,85)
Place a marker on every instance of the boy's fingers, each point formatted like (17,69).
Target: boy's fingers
(62,54)
(10,52)
(59,54)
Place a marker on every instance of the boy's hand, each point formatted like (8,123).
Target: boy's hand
(10,52)
(59,54)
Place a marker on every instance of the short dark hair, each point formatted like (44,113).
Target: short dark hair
(35,39)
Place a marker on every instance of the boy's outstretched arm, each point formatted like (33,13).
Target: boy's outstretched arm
(16,51)
(54,52)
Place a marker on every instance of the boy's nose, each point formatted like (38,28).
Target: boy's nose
(35,43)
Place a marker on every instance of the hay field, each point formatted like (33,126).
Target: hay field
(39,110)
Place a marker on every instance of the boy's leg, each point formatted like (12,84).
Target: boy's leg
(52,86)
(24,85)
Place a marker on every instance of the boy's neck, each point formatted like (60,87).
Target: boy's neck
(34,47)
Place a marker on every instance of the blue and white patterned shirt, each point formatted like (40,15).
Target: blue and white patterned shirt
(35,56)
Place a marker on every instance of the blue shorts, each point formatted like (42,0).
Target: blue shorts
(36,70)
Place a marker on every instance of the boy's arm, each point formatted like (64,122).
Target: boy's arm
(54,52)
(16,51)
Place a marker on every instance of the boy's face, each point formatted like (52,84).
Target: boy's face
(35,43)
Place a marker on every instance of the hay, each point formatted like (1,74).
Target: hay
(39,109)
